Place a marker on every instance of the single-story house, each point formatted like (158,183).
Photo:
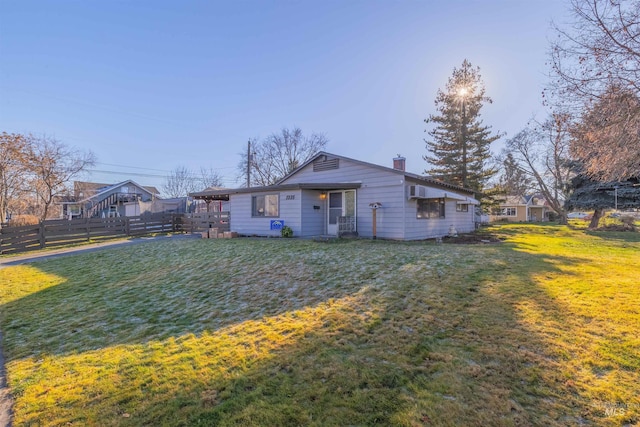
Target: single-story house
(332,195)
(521,209)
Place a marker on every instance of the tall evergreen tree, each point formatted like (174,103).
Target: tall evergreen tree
(458,144)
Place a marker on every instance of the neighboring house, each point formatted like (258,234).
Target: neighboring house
(332,195)
(92,199)
(521,209)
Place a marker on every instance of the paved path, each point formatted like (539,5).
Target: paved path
(6,401)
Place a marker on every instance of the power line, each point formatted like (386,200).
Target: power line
(147,175)
(223,178)
(189,174)
(151,169)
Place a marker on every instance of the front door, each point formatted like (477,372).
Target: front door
(341,204)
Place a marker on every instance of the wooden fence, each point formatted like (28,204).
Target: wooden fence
(192,223)
(58,233)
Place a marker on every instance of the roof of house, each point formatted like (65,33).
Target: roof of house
(99,189)
(532,200)
(514,201)
(281,184)
(421,178)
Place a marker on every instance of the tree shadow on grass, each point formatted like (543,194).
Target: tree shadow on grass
(403,335)
(623,236)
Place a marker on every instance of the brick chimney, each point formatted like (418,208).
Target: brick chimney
(399,163)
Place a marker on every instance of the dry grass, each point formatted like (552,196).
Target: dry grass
(540,330)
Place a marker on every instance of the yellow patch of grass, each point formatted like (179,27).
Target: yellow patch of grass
(20,281)
(137,384)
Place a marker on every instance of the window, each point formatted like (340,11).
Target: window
(430,208)
(462,208)
(504,211)
(266,205)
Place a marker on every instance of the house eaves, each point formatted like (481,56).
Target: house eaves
(321,186)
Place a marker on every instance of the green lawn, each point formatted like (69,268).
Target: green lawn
(539,330)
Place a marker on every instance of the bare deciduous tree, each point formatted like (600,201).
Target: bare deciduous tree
(596,75)
(52,165)
(542,152)
(14,150)
(600,48)
(179,183)
(210,178)
(606,139)
(182,181)
(279,154)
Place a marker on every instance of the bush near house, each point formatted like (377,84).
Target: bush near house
(286,231)
(538,330)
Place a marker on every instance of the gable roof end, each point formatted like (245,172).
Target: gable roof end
(421,178)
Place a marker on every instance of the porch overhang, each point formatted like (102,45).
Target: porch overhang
(434,193)
(468,201)
(210,197)
(224,194)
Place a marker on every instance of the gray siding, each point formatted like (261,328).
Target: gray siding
(242,221)
(347,172)
(418,229)
(389,217)
(378,185)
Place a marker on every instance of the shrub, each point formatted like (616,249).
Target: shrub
(286,231)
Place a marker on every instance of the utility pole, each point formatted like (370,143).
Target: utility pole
(248,163)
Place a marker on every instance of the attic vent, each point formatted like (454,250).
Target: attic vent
(325,164)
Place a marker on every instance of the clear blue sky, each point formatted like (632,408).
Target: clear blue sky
(152,85)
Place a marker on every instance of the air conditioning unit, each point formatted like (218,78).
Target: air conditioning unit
(417,192)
